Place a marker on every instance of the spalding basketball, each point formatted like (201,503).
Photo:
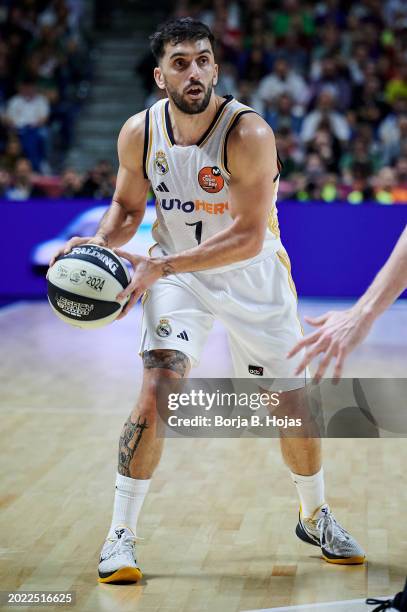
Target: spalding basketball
(82,286)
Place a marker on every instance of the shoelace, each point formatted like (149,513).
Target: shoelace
(120,545)
(327,522)
(386,604)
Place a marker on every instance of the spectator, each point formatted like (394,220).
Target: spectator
(400,190)
(288,149)
(361,188)
(254,64)
(360,152)
(315,172)
(330,78)
(247,94)
(327,147)
(12,153)
(283,80)
(330,188)
(384,184)
(22,183)
(329,14)
(369,103)
(358,62)
(393,133)
(5,182)
(325,114)
(71,183)
(100,182)
(17,37)
(293,17)
(6,83)
(284,115)
(401,171)
(397,87)
(294,53)
(28,113)
(227,83)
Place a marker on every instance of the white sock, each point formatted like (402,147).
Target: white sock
(128,499)
(311,491)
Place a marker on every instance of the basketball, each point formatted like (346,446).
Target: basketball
(82,286)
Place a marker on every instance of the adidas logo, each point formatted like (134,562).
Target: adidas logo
(183,335)
(162,187)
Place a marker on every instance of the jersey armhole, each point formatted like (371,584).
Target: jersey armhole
(235,121)
(279,167)
(147,143)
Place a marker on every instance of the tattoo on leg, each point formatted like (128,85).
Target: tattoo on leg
(166,359)
(129,440)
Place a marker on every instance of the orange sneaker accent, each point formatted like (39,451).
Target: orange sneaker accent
(350,561)
(125,574)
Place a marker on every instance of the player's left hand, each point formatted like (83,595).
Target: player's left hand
(146,272)
(338,333)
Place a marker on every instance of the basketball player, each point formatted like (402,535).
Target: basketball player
(341,331)
(214,169)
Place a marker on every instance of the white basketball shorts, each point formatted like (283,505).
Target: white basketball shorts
(257,304)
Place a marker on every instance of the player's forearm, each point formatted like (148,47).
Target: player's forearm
(389,283)
(118,226)
(227,247)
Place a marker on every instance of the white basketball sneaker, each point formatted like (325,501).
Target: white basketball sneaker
(323,530)
(118,558)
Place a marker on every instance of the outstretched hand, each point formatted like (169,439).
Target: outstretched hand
(338,333)
(146,272)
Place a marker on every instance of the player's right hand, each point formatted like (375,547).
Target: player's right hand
(76,241)
(338,333)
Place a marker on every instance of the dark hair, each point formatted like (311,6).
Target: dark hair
(176,31)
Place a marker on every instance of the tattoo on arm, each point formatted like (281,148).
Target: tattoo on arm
(166,359)
(168,269)
(129,440)
(103,236)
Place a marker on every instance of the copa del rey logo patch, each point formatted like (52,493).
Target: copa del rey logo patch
(211,179)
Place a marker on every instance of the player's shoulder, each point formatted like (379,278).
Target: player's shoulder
(130,143)
(133,129)
(251,145)
(250,137)
(251,129)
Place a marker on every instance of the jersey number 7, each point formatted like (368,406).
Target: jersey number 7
(198,230)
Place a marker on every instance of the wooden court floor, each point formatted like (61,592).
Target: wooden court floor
(218,523)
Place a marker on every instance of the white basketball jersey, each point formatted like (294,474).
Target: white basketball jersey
(191,183)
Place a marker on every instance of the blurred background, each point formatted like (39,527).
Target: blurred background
(330,77)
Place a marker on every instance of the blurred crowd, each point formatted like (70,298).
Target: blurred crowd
(330,77)
(44,76)
(23,183)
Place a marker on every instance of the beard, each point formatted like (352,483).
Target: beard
(190,108)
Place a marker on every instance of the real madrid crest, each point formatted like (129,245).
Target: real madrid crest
(163,329)
(161,164)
